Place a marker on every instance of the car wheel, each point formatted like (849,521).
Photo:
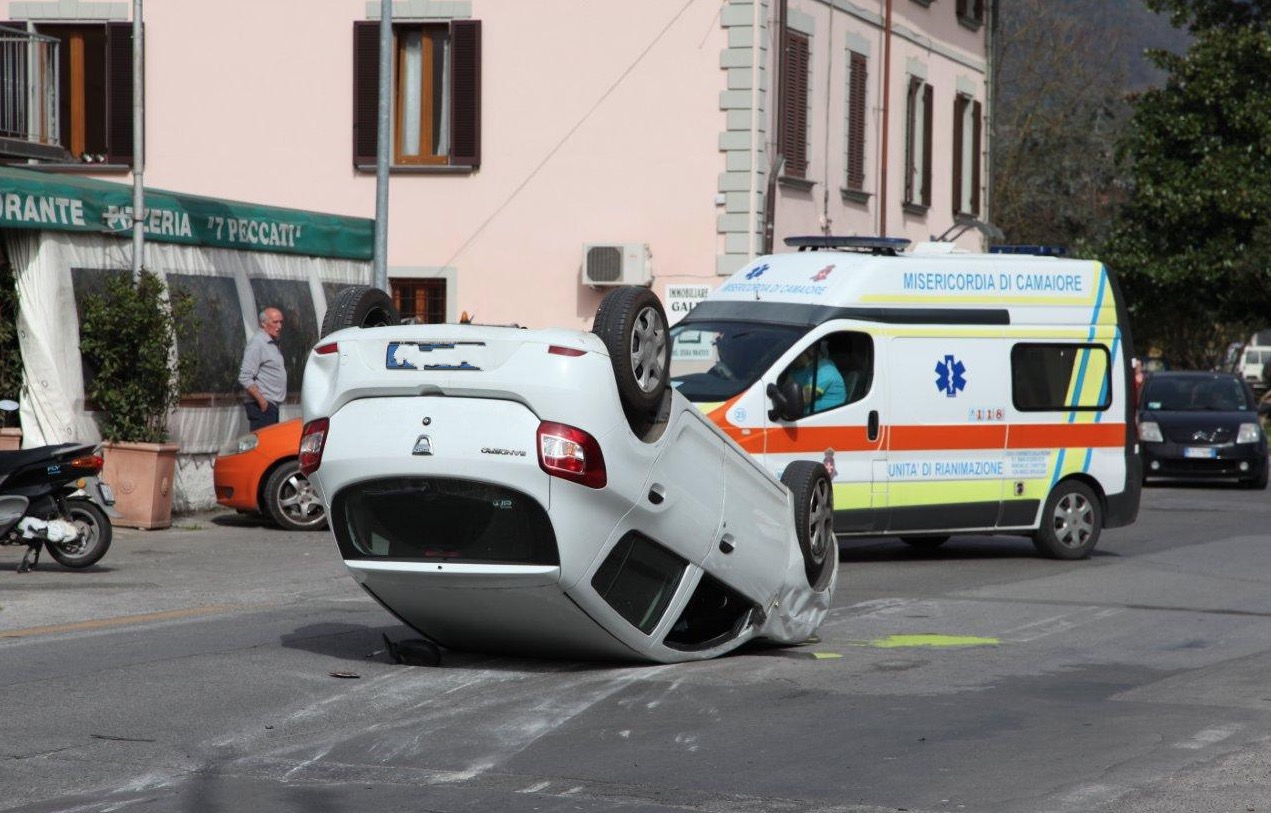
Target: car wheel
(632,324)
(360,306)
(813,519)
(1259,481)
(924,542)
(291,501)
(1071,521)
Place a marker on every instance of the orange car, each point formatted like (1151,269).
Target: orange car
(258,472)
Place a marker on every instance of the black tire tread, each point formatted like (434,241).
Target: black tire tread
(359,306)
(801,477)
(613,325)
(105,535)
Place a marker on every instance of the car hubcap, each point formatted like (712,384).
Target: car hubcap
(648,345)
(820,523)
(298,499)
(1074,520)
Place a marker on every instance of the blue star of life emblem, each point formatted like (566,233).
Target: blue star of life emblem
(950,376)
(755,272)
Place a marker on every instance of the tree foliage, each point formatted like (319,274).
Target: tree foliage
(130,335)
(11,369)
(1060,81)
(1193,242)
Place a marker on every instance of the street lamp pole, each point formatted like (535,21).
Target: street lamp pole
(382,146)
(138,142)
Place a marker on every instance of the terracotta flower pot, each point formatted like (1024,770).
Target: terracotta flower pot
(10,438)
(141,475)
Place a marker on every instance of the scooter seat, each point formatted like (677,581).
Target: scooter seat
(12,461)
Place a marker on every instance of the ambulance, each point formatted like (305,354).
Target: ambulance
(945,392)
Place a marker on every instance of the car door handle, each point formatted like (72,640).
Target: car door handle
(872,428)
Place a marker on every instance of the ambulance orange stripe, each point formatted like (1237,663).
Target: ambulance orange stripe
(1065,435)
(917,438)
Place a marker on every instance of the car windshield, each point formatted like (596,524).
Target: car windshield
(1196,394)
(713,361)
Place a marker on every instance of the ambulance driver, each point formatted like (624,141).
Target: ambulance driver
(820,380)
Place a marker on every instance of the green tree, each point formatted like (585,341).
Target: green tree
(1193,242)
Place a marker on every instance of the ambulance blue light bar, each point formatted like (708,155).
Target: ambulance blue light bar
(877,245)
(1039,251)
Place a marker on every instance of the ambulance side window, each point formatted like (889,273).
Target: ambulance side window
(837,370)
(1049,377)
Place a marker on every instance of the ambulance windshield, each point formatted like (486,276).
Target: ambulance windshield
(713,361)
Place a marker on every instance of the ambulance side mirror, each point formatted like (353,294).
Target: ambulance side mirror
(787,401)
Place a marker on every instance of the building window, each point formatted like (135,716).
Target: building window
(918,143)
(792,136)
(966,155)
(436,99)
(94,89)
(970,12)
(856,86)
(420,300)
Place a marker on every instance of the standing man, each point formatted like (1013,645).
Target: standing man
(263,376)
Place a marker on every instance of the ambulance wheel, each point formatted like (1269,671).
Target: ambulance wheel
(632,324)
(360,306)
(1071,521)
(924,542)
(813,519)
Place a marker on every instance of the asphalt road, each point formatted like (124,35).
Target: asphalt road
(195,669)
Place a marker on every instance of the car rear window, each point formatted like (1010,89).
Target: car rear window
(443,520)
(638,579)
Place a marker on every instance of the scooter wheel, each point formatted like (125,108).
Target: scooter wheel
(95,533)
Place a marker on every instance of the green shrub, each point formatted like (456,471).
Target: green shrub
(128,336)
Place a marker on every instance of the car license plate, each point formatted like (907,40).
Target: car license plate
(439,355)
(108,493)
(1200,451)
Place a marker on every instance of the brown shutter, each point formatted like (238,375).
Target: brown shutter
(959,106)
(366,88)
(793,123)
(911,128)
(928,103)
(119,140)
(465,93)
(976,113)
(856,123)
(960,8)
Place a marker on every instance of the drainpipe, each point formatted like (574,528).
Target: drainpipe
(779,161)
(138,143)
(986,213)
(886,139)
(380,265)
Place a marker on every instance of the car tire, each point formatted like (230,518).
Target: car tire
(1071,522)
(360,306)
(632,324)
(290,500)
(1258,482)
(926,543)
(813,519)
(95,531)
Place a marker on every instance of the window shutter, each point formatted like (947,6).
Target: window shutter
(976,114)
(794,104)
(465,93)
(928,103)
(959,109)
(911,131)
(856,123)
(960,8)
(119,136)
(366,88)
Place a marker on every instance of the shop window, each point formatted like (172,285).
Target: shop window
(217,340)
(300,322)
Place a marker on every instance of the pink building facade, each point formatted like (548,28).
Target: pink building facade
(543,150)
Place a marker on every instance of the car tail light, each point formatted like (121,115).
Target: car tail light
(558,350)
(313,439)
(327,349)
(571,454)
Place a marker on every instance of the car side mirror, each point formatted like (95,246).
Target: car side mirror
(787,401)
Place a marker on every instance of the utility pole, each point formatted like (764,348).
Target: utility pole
(138,142)
(382,146)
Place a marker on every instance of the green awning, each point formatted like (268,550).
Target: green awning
(60,202)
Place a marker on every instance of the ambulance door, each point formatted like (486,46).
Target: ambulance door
(946,438)
(837,370)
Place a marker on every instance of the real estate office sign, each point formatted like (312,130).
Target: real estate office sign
(37,200)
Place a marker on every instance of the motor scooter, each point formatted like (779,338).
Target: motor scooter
(51,497)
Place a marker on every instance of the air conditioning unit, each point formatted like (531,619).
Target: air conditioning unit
(616,264)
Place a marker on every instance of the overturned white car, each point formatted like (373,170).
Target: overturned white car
(544,492)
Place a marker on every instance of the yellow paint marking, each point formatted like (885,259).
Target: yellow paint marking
(121,620)
(931,639)
(826,656)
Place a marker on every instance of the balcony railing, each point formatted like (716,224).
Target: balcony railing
(29,94)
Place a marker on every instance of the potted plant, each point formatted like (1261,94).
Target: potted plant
(11,372)
(135,378)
